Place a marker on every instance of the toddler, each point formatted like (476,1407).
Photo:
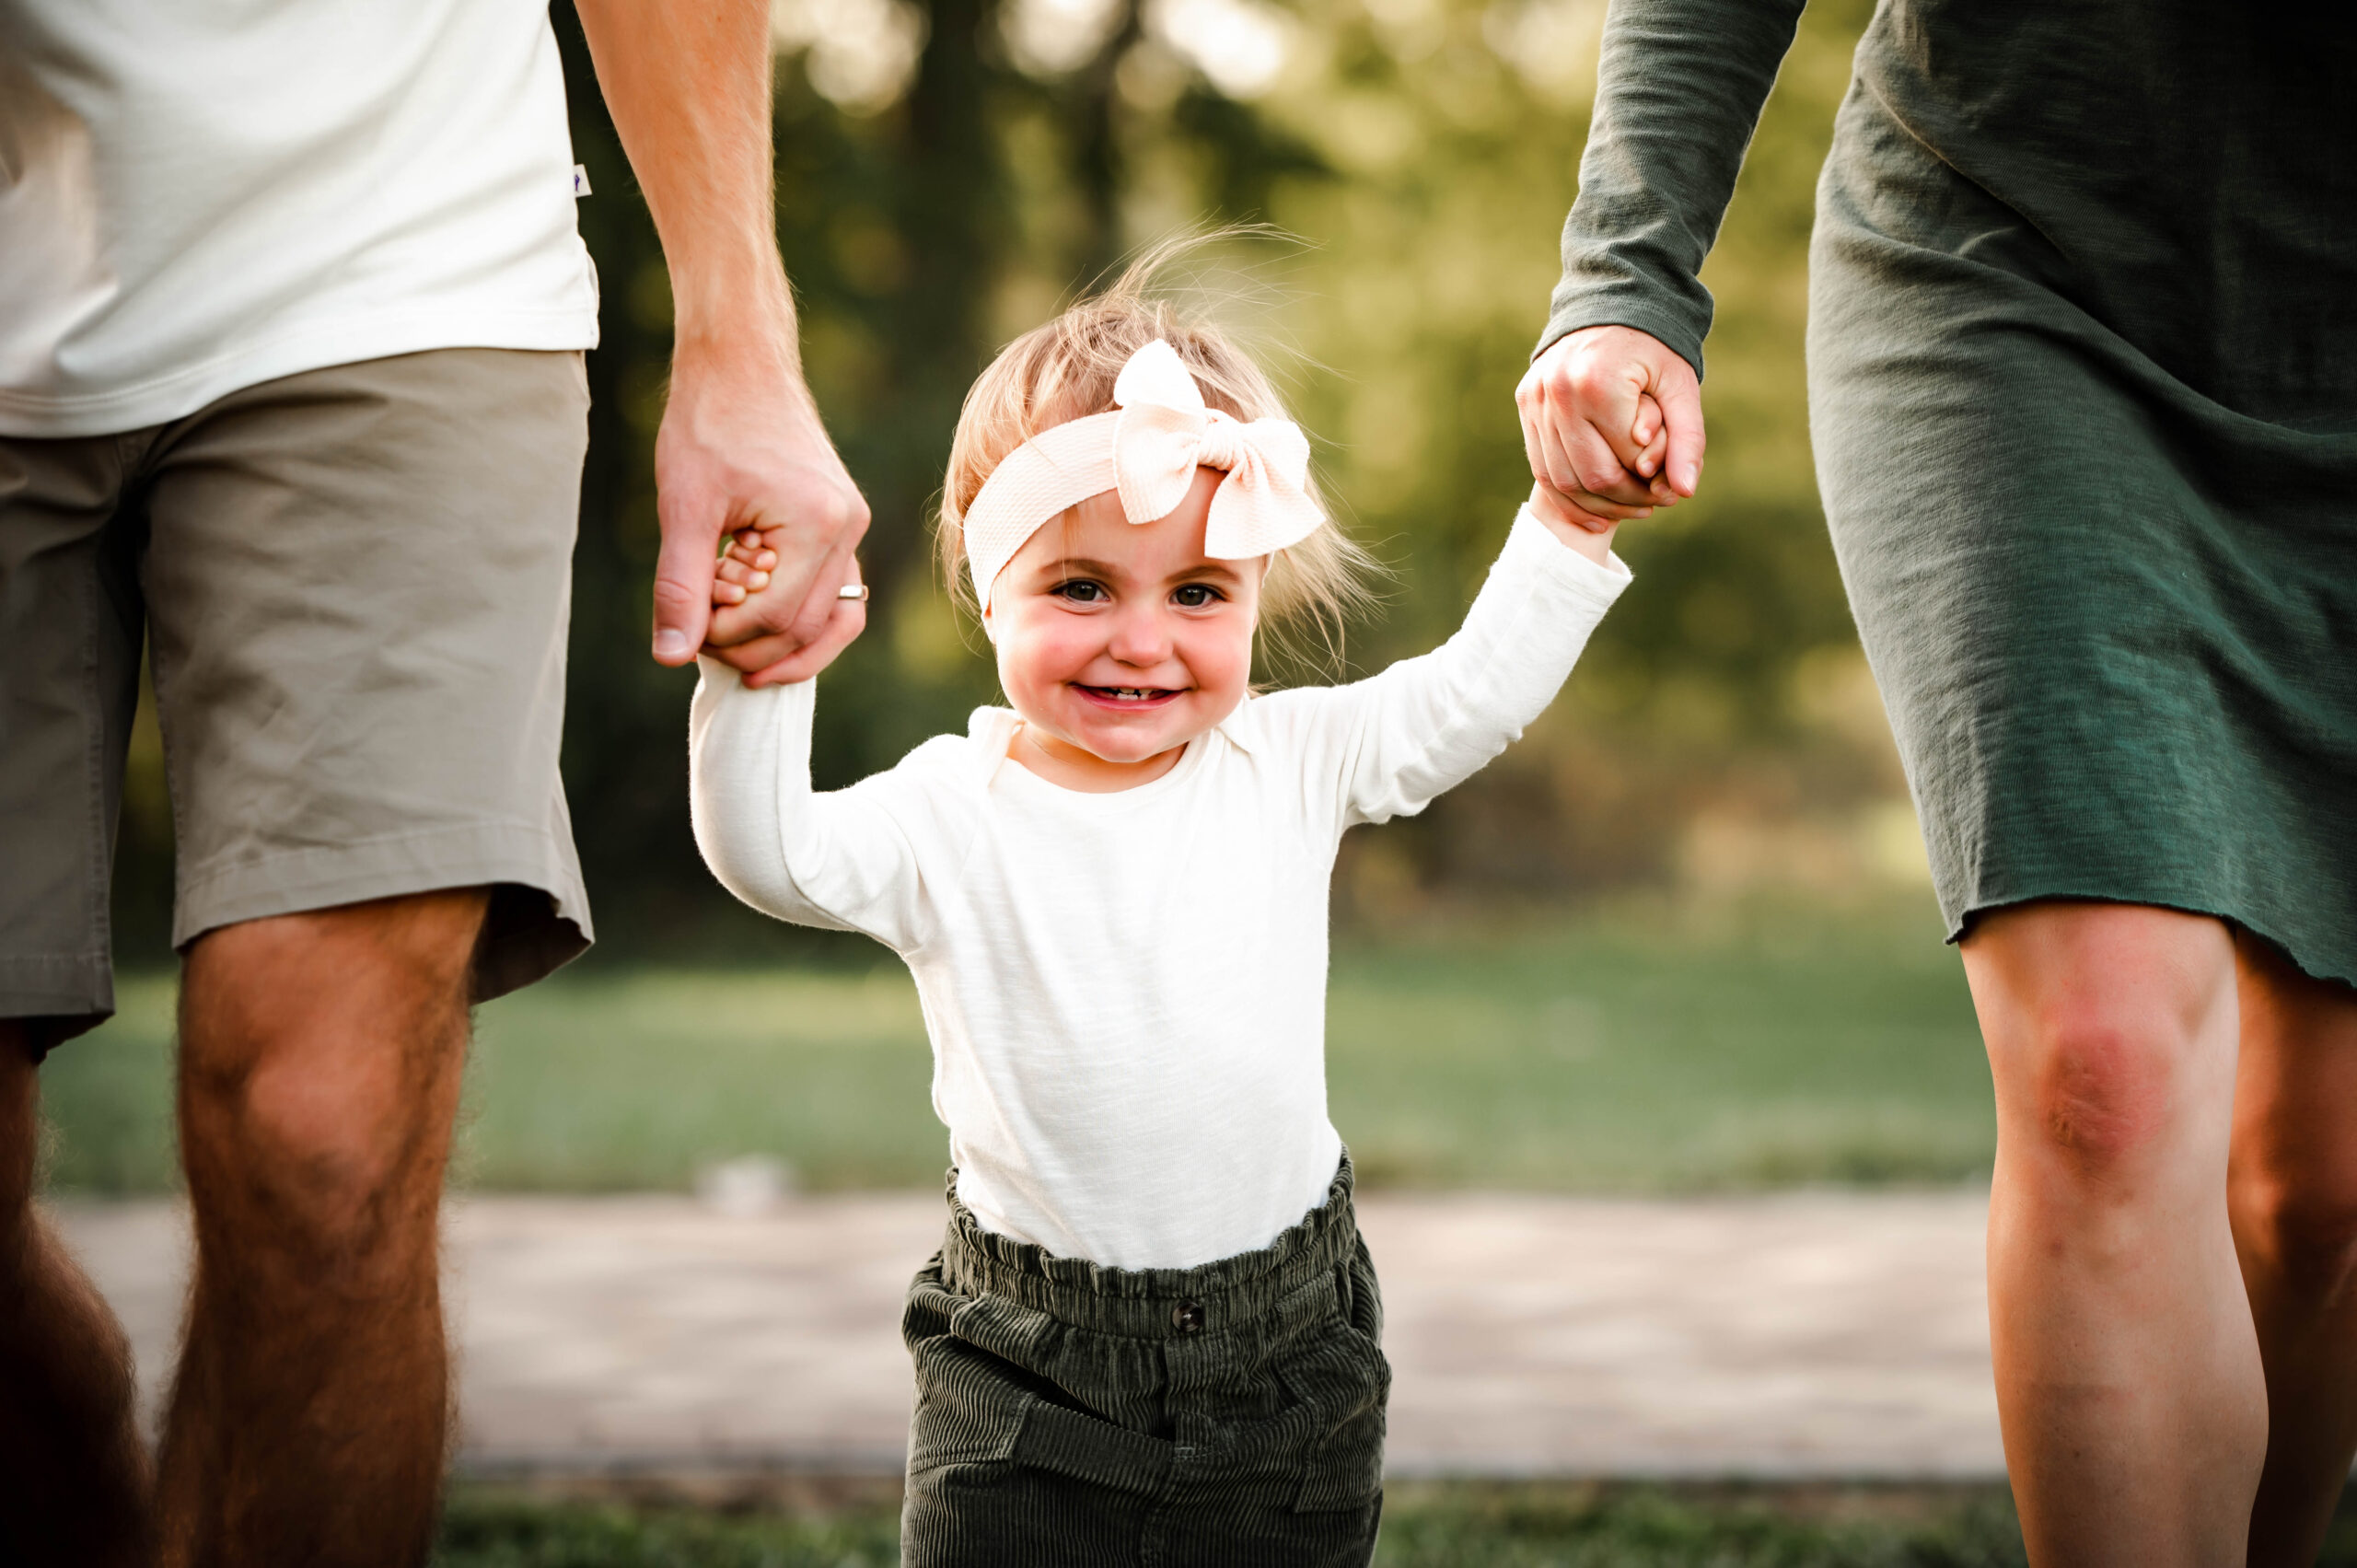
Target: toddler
(1151,1334)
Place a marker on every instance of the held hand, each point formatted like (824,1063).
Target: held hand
(740,590)
(1569,522)
(741,448)
(1612,420)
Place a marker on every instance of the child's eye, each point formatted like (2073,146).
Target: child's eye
(1080,590)
(1195,596)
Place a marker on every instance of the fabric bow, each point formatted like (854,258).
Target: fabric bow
(1165,433)
(1148,451)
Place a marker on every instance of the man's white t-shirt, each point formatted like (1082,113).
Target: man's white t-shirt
(200,195)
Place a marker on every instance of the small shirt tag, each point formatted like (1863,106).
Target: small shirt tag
(580,180)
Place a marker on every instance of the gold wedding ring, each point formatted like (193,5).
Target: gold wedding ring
(852,590)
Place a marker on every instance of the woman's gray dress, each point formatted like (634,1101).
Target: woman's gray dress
(2082,385)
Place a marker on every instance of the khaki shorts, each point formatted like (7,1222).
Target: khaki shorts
(353,584)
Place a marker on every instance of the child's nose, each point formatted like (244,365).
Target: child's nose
(1140,636)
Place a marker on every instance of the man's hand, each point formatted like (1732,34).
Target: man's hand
(1612,422)
(741,446)
(741,450)
(746,598)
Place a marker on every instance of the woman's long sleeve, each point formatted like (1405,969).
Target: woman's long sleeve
(1679,86)
(1387,745)
(844,859)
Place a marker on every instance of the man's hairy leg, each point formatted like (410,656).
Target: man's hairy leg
(320,1056)
(75,1483)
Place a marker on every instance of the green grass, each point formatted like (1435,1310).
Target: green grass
(1453,1525)
(1628,1052)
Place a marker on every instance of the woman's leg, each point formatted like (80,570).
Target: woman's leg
(2293,1191)
(2129,1381)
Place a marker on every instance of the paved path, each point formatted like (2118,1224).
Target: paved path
(1797,1336)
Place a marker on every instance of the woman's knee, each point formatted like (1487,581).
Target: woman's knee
(2111,1037)
(2097,1091)
(2298,1225)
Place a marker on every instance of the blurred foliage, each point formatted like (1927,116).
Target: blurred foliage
(1421,153)
(1630,1049)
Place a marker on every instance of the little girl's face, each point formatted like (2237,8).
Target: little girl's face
(1118,641)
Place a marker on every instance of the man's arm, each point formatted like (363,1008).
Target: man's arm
(741,446)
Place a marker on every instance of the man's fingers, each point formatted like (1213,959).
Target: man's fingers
(849,620)
(815,616)
(683,572)
(759,634)
(793,584)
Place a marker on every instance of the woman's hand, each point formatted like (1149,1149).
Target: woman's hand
(1612,422)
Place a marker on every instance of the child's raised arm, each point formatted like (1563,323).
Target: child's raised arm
(844,860)
(1389,745)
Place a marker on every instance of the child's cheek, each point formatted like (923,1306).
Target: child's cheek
(1032,657)
(1222,660)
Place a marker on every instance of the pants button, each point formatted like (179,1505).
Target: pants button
(1188,1316)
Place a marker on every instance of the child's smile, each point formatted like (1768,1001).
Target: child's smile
(1118,641)
(1132,699)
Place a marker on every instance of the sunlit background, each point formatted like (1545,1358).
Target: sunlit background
(1677,945)
(1679,939)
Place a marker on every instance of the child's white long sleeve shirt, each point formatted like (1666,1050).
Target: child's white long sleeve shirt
(1126,993)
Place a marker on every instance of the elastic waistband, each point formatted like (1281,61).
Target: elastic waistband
(1151,1302)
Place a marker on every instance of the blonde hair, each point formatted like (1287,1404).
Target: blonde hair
(1065,370)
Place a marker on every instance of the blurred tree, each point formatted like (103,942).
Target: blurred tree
(950,172)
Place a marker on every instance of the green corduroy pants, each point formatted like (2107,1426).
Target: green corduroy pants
(1068,1413)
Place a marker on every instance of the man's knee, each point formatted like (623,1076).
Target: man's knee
(319,1063)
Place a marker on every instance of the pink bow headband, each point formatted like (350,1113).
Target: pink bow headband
(1148,450)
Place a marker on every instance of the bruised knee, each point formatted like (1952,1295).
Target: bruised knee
(2110,1031)
(2102,1095)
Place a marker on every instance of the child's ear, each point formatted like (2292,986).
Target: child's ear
(990,631)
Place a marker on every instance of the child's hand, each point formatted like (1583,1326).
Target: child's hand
(744,570)
(739,635)
(1583,531)
(1651,433)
